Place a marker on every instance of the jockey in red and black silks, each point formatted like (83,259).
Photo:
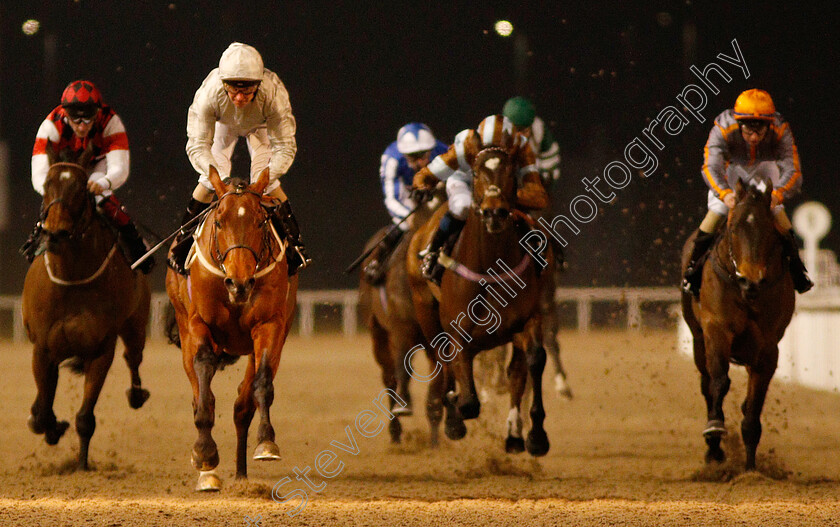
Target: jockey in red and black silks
(79,119)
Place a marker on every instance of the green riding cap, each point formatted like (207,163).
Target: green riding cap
(520,111)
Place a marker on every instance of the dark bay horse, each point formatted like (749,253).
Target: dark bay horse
(488,296)
(389,313)
(238,300)
(746,303)
(78,297)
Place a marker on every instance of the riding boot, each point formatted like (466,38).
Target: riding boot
(447,233)
(136,247)
(114,212)
(694,272)
(285,222)
(375,269)
(178,255)
(30,247)
(801,282)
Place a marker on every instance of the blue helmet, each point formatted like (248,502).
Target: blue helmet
(415,137)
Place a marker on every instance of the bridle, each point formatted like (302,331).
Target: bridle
(263,258)
(491,190)
(733,276)
(79,226)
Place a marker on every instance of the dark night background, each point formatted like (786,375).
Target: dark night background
(357,71)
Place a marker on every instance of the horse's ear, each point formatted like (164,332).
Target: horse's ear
(262,182)
(768,192)
(216,181)
(51,153)
(86,156)
(740,190)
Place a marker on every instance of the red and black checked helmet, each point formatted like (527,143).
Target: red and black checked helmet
(81,99)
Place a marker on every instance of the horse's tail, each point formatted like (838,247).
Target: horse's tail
(171,326)
(74,364)
(226,359)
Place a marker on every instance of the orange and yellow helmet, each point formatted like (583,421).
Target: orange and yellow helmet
(754,105)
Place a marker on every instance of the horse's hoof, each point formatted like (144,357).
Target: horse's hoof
(537,443)
(455,429)
(395,429)
(470,409)
(562,387)
(714,428)
(208,482)
(267,451)
(402,411)
(514,445)
(716,456)
(53,435)
(206,464)
(137,396)
(33,425)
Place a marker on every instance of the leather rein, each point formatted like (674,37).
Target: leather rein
(265,257)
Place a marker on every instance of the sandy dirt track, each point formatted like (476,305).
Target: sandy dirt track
(626,451)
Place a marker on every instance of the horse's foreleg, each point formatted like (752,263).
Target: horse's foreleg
(759,380)
(42,419)
(200,364)
(269,346)
(454,427)
(467,402)
(537,442)
(95,373)
(401,341)
(385,360)
(134,337)
(551,326)
(434,404)
(243,414)
(517,374)
(714,383)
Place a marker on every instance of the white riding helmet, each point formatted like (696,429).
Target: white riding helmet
(241,62)
(415,137)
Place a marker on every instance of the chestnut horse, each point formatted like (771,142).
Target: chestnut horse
(389,313)
(238,300)
(78,297)
(746,303)
(473,311)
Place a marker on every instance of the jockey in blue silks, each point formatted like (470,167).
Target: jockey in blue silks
(414,148)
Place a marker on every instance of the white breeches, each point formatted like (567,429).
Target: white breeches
(767,169)
(459,194)
(259,147)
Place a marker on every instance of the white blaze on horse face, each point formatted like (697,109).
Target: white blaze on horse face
(760,185)
(240,212)
(492,163)
(514,423)
(65,175)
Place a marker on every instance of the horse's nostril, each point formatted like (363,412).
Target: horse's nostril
(228,282)
(251,282)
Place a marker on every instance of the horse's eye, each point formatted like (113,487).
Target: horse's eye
(218,224)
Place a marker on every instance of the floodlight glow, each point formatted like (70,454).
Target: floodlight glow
(30,27)
(503,28)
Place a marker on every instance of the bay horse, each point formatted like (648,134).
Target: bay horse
(746,303)
(78,297)
(388,311)
(238,300)
(469,313)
